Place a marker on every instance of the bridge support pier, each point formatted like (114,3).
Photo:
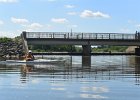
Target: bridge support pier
(86,50)
(86,57)
(137,51)
(86,61)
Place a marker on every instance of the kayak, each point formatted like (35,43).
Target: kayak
(38,61)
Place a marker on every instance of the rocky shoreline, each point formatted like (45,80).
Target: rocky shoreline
(10,49)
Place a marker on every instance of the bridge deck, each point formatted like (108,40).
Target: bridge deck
(66,35)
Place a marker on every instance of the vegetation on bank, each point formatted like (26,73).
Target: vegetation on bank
(110,49)
(69,48)
(52,48)
(5,40)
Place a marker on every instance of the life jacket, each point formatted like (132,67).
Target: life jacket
(29,57)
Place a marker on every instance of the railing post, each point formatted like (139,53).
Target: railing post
(122,36)
(68,35)
(53,35)
(114,36)
(82,35)
(64,36)
(89,36)
(96,36)
(109,36)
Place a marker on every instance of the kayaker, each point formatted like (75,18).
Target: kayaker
(29,56)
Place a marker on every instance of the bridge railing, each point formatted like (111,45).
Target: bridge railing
(66,35)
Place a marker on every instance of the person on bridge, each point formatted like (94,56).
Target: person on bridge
(29,56)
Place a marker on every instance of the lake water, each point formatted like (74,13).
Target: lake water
(106,78)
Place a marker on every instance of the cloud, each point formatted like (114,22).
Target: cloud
(26,24)
(8,34)
(69,6)
(71,13)
(1,22)
(19,21)
(138,26)
(8,1)
(91,14)
(59,20)
(33,26)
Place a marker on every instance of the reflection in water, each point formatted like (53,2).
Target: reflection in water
(86,70)
(25,69)
(137,65)
(86,61)
(137,70)
(134,62)
(109,78)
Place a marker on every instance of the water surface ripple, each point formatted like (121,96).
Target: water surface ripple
(107,77)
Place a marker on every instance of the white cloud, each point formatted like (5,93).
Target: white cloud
(19,21)
(69,6)
(138,26)
(91,14)
(8,1)
(33,26)
(71,13)
(59,20)
(1,22)
(8,34)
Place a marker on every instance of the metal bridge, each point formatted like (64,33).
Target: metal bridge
(84,39)
(66,35)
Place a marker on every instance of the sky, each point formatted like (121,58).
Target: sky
(90,16)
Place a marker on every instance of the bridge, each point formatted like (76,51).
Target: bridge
(84,39)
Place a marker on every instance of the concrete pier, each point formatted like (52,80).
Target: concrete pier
(86,50)
(86,61)
(137,51)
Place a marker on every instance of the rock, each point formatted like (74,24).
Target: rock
(11,48)
(131,49)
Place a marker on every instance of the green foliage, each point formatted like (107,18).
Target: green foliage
(5,40)
(52,48)
(17,39)
(78,49)
(110,49)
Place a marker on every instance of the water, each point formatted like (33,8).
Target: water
(107,78)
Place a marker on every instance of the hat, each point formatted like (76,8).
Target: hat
(30,51)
